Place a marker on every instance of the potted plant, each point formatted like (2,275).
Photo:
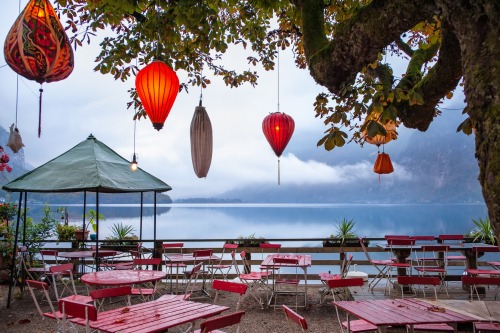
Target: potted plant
(248,241)
(344,235)
(122,237)
(92,216)
(483,232)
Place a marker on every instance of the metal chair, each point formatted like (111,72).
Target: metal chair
(382,267)
(214,324)
(43,288)
(254,280)
(478,252)
(77,310)
(294,319)
(220,268)
(282,281)
(486,327)
(146,291)
(232,287)
(171,261)
(432,260)
(100,295)
(474,281)
(458,238)
(192,277)
(62,275)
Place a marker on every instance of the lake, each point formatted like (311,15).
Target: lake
(206,221)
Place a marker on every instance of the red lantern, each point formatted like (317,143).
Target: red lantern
(278,128)
(37,46)
(383,164)
(157,86)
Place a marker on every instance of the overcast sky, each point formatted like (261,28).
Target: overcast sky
(89,102)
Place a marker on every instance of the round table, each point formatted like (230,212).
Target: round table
(121,277)
(86,254)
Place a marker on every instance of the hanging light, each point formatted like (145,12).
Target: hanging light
(133,164)
(38,48)
(157,86)
(383,164)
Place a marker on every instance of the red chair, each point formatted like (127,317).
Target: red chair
(254,280)
(220,268)
(171,253)
(455,239)
(232,287)
(213,325)
(355,326)
(432,260)
(62,275)
(474,281)
(192,277)
(486,327)
(146,291)
(100,295)
(43,288)
(324,277)
(280,281)
(294,319)
(478,252)
(77,310)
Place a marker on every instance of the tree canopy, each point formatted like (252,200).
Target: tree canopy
(343,44)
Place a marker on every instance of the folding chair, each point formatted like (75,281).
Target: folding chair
(254,280)
(220,268)
(192,278)
(205,258)
(281,281)
(324,277)
(474,281)
(100,295)
(382,267)
(104,260)
(355,326)
(232,287)
(274,246)
(294,319)
(213,325)
(43,288)
(146,291)
(62,275)
(409,242)
(455,239)
(433,261)
(77,310)
(172,261)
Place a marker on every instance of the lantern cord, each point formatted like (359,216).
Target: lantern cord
(40,113)
(201,86)
(278,68)
(134,135)
(17,95)
(278,171)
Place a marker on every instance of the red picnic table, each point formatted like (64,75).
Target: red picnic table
(401,312)
(153,316)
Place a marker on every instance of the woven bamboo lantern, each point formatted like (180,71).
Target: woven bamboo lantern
(201,141)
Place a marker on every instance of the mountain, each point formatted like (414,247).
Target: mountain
(437,166)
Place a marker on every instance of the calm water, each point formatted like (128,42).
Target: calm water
(183,221)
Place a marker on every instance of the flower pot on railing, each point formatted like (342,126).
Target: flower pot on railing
(337,242)
(81,235)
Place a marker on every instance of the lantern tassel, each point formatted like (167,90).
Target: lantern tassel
(278,171)
(40,113)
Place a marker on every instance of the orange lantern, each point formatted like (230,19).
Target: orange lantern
(383,164)
(157,86)
(37,46)
(278,129)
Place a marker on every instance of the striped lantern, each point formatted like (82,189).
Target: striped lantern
(278,129)
(157,86)
(201,141)
(37,46)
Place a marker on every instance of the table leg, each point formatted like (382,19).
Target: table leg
(471,263)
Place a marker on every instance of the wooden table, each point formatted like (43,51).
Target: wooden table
(122,277)
(396,312)
(305,261)
(155,316)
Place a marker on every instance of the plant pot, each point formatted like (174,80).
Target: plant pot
(81,235)
(93,237)
(347,243)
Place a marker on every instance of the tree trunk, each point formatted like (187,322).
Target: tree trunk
(476,24)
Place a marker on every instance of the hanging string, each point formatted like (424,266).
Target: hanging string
(278,171)
(40,112)
(201,85)
(157,6)
(135,121)
(278,67)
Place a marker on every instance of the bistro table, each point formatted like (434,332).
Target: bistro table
(122,277)
(305,261)
(400,312)
(154,316)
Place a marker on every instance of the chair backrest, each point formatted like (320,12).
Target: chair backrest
(274,246)
(193,276)
(232,287)
(77,310)
(202,253)
(221,322)
(401,241)
(99,295)
(45,254)
(363,247)
(450,237)
(429,238)
(419,280)
(146,262)
(43,288)
(178,247)
(343,283)
(346,263)
(295,318)
(396,236)
(286,261)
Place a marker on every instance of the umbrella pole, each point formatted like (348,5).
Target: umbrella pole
(97,261)
(13,261)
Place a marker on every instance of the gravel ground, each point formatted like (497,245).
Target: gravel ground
(22,316)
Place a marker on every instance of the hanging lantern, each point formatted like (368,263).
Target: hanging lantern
(383,164)
(38,48)
(157,86)
(278,128)
(201,141)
